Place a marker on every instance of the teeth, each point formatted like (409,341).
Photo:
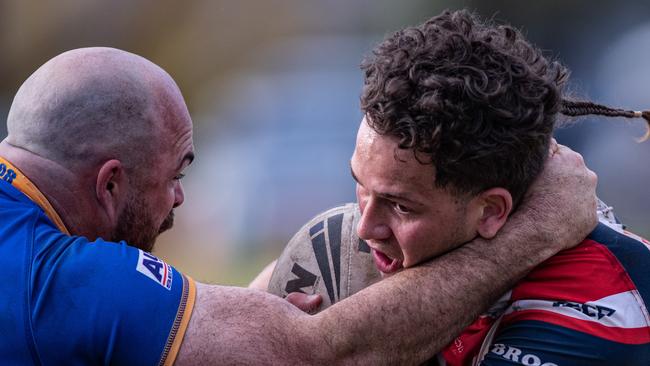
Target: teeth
(385,254)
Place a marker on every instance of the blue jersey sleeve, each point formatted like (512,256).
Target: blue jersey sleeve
(105,303)
(544,344)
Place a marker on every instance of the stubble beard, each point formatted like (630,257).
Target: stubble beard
(136,226)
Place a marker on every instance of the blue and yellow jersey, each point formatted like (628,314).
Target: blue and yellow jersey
(65,300)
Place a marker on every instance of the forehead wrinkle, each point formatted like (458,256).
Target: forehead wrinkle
(183,138)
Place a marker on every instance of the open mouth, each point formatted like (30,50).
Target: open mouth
(386,264)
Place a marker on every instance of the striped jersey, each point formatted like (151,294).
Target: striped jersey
(584,306)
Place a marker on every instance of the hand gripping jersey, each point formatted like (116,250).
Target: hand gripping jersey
(584,306)
(67,301)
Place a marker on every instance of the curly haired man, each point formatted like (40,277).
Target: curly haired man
(459,115)
(458,120)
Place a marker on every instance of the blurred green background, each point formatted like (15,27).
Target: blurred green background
(273,89)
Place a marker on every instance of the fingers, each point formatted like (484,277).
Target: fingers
(564,196)
(304,302)
(553,147)
(563,159)
(575,161)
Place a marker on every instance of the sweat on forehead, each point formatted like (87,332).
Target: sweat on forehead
(89,104)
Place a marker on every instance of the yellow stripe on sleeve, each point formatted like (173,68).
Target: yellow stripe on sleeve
(180,324)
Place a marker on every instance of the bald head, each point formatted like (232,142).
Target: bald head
(92,104)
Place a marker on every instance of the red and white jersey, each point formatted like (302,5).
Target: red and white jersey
(584,306)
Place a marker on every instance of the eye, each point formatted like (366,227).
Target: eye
(401,208)
(179,176)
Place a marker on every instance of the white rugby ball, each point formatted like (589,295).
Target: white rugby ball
(326,257)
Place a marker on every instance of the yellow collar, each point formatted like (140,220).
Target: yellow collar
(15,177)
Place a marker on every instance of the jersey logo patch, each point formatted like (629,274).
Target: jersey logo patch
(155,269)
(587,309)
(7,174)
(517,356)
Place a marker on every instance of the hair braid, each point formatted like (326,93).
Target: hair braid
(575,108)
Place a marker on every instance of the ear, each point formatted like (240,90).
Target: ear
(496,206)
(111,188)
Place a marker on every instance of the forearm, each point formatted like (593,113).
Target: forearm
(429,304)
(407,318)
(404,319)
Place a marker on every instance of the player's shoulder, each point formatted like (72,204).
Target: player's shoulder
(612,234)
(105,264)
(17,212)
(611,257)
(137,303)
(600,288)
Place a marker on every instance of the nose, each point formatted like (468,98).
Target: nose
(372,225)
(179,194)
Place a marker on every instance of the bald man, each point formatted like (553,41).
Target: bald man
(89,176)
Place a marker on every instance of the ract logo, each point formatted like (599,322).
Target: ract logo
(593,311)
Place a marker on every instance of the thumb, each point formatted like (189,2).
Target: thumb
(304,302)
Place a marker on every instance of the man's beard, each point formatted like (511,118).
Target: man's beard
(135,225)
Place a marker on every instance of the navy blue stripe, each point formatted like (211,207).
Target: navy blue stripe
(320,250)
(316,228)
(305,279)
(550,343)
(334,226)
(633,255)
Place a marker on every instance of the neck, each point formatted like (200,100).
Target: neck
(69,193)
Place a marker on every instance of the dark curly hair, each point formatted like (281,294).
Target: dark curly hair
(477,98)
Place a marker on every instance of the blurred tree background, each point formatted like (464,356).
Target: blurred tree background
(273,89)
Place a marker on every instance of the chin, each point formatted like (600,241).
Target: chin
(167,223)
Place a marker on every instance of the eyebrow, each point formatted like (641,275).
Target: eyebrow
(387,195)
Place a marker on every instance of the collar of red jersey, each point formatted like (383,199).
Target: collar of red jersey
(16,178)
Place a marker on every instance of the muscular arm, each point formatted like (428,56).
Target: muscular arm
(410,316)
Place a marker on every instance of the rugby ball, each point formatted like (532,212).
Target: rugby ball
(326,257)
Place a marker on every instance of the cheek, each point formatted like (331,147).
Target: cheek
(416,243)
(164,201)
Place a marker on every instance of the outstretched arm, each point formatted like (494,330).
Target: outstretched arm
(410,316)
(261,281)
